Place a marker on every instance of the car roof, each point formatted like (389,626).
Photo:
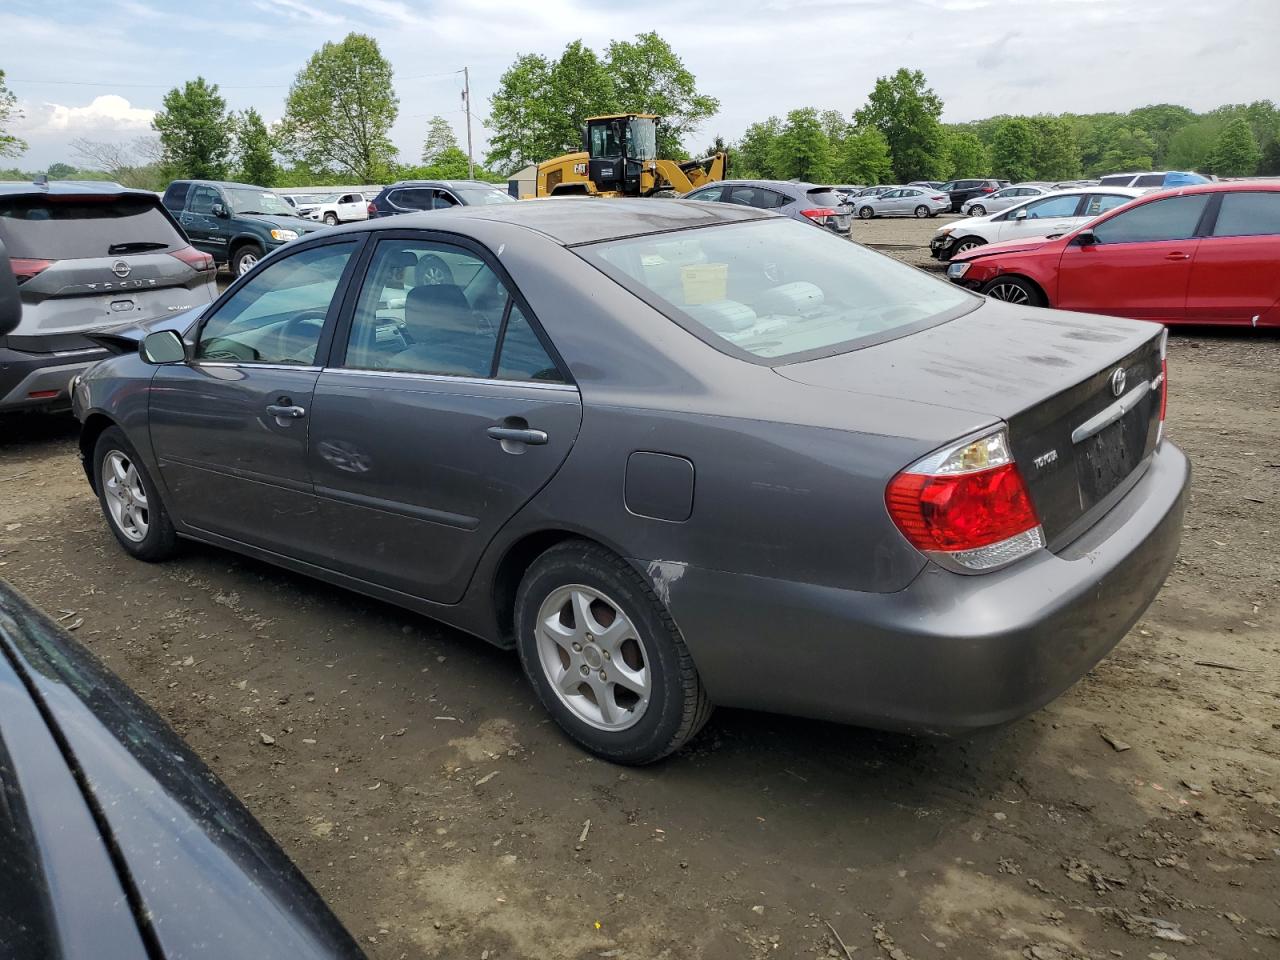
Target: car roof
(444,183)
(574,220)
(70,188)
(224,183)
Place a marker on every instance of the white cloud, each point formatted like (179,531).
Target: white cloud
(107,113)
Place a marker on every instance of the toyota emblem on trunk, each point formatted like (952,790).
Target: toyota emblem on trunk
(120,269)
(1117,381)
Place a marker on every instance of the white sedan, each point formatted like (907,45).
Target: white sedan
(1043,216)
(903,202)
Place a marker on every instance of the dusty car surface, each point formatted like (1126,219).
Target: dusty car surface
(677,454)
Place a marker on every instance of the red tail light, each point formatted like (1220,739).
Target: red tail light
(371,209)
(818,213)
(988,189)
(966,506)
(24,269)
(195,259)
(941,198)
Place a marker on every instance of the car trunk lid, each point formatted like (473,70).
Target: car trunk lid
(1051,377)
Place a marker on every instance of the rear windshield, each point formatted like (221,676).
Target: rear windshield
(479,196)
(826,197)
(57,228)
(777,290)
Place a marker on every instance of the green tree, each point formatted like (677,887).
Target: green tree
(439,139)
(835,125)
(1013,149)
(1236,152)
(864,158)
(60,171)
(195,131)
(906,111)
(1056,155)
(650,78)
(802,150)
(968,156)
(255,150)
(752,156)
(340,110)
(1189,147)
(1127,148)
(1161,121)
(10,145)
(1270,165)
(718,145)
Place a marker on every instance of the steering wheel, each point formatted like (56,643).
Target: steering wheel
(304,329)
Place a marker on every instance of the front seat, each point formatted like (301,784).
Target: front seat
(446,337)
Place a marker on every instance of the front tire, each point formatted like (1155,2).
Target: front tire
(130,500)
(245,259)
(605,657)
(1016,290)
(967,243)
(977,210)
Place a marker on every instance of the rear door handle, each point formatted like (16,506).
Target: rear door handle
(518,435)
(286,411)
(1178,255)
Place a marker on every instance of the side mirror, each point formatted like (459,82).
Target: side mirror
(1085,239)
(220,211)
(1020,215)
(10,299)
(162,346)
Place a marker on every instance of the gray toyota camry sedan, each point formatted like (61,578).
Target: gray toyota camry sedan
(675,454)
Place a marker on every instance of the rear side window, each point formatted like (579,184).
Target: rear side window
(72,228)
(175,198)
(411,198)
(1248,215)
(757,197)
(1096,204)
(1116,181)
(1172,219)
(1150,180)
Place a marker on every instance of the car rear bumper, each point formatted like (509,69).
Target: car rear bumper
(948,654)
(38,381)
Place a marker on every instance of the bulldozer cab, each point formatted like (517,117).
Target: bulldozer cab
(617,148)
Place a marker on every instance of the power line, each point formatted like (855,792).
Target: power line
(236,86)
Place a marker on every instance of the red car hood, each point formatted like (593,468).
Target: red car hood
(1004,246)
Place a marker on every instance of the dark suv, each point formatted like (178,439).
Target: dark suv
(414,196)
(962,191)
(237,223)
(86,256)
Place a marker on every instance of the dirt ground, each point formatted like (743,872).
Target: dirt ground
(417,783)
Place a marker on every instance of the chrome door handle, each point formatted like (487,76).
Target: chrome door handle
(1177,256)
(518,435)
(286,412)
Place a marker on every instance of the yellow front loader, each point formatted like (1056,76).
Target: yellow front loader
(620,159)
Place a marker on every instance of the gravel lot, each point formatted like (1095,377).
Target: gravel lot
(417,783)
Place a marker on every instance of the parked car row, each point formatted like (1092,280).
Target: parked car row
(807,202)
(1198,254)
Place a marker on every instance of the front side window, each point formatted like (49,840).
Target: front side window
(203,199)
(776,289)
(643,139)
(606,139)
(444,200)
(427,307)
(1248,215)
(1174,218)
(277,316)
(1052,207)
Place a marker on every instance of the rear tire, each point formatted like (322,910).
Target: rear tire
(605,657)
(866,213)
(1016,290)
(922,212)
(331,219)
(130,500)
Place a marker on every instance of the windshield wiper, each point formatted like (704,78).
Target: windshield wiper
(136,246)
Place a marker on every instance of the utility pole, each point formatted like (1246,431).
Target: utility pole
(466,99)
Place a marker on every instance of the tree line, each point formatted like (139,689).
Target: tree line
(342,105)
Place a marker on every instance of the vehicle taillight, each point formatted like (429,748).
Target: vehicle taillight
(195,259)
(24,268)
(988,189)
(941,198)
(967,506)
(818,214)
(371,209)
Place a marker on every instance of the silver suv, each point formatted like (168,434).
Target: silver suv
(87,256)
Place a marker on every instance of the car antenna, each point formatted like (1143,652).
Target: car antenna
(41,180)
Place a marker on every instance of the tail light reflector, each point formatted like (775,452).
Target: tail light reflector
(371,209)
(818,214)
(195,259)
(25,268)
(1164,383)
(967,506)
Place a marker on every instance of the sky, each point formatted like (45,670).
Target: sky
(100,69)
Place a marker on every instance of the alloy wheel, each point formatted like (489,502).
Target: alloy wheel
(593,657)
(977,210)
(1008,292)
(433,276)
(126,496)
(247,262)
(967,245)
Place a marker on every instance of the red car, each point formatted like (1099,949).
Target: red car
(1200,254)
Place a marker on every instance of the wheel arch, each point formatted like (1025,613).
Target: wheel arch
(510,570)
(95,424)
(1018,275)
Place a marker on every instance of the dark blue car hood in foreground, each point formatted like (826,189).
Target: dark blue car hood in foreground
(195,876)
